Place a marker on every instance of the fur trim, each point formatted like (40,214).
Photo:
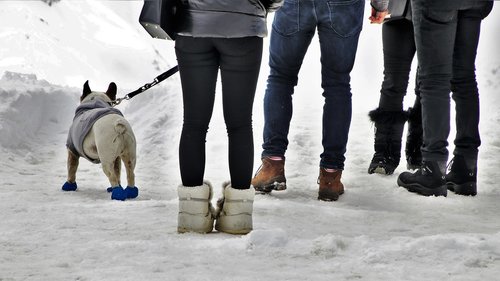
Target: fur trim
(220,202)
(202,191)
(378,115)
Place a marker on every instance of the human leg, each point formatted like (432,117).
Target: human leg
(240,60)
(462,175)
(463,83)
(389,118)
(339,26)
(293,28)
(338,44)
(399,50)
(292,31)
(198,65)
(434,38)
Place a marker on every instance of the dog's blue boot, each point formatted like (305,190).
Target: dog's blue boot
(132,192)
(118,193)
(69,186)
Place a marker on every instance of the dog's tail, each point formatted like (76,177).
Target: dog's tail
(120,126)
(124,140)
(120,129)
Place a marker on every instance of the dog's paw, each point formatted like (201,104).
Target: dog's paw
(69,186)
(132,192)
(118,193)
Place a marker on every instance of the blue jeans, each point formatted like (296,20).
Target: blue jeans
(446,37)
(339,24)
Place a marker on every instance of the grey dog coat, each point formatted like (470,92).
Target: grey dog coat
(86,115)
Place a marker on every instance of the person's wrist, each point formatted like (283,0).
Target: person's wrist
(377,10)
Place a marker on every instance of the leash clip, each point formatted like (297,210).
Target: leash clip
(119,100)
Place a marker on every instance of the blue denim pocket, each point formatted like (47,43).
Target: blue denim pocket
(346,16)
(286,19)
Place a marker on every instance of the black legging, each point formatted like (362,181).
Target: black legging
(199,61)
(399,51)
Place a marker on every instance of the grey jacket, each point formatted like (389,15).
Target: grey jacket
(224,18)
(381,5)
(85,116)
(399,9)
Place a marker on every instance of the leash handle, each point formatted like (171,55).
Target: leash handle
(146,86)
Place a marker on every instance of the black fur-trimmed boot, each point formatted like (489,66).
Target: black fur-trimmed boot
(462,176)
(414,138)
(389,127)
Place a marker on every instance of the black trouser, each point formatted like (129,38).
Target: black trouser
(446,38)
(399,50)
(199,62)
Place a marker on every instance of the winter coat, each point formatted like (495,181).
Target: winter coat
(381,5)
(85,116)
(224,18)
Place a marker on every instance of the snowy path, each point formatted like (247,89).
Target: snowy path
(375,232)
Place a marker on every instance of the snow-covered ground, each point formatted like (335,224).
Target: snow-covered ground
(376,231)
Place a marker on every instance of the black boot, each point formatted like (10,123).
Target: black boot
(428,180)
(414,138)
(462,179)
(389,127)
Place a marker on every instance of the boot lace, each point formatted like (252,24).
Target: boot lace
(448,167)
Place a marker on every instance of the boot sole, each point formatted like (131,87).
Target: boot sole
(239,224)
(467,189)
(425,191)
(329,196)
(278,186)
(380,170)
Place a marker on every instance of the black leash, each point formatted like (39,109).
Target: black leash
(157,80)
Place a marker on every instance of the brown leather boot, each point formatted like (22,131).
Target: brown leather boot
(330,187)
(270,176)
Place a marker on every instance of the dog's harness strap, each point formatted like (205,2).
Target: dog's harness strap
(157,80)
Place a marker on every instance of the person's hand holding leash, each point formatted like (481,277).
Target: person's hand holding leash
(378,16)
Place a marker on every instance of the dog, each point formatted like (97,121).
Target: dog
(101,134)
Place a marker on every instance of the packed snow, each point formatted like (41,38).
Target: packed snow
(376,231)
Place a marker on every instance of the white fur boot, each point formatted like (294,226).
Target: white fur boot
(235,210)
(195,210)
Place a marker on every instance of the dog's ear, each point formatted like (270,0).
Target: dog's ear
(86,90)
(111,92)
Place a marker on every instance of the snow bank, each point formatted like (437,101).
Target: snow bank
(27,105)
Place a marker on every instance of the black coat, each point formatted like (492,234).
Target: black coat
(224,18)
